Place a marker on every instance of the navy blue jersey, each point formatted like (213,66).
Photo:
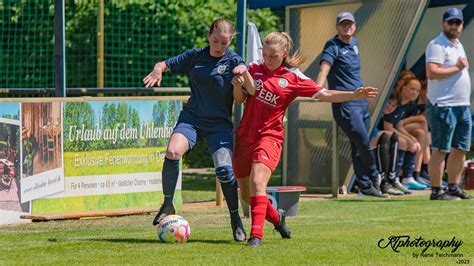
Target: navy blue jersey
(210,78)
(402,112)
(345,67)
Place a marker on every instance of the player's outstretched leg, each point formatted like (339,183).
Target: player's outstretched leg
(229,186)
(170,178)
(225,174)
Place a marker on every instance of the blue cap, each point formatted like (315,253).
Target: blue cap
(344,16)
(453,13)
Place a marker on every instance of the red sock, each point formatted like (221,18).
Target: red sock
(258,208)
(272,214)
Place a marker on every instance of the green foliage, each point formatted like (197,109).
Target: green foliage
(199,156)
(77,114)
(29,152)
(137,34)
(114,118)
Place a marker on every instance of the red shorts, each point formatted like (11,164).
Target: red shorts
(266,151)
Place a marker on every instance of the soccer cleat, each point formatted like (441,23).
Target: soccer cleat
(410,183)
(165,210)
(282,227)
(401,187)
(389,189)
(376,181)
(371,192)
(238,230)
(459,193)
(254,242)
(443,196)
(424,181)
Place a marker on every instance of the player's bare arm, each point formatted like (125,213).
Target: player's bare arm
(335,96)
(238,91)
(156,75)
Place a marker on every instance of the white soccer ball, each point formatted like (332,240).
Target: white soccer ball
(173,229)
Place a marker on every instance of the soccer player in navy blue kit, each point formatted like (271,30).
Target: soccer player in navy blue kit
(210,71)
(340,65)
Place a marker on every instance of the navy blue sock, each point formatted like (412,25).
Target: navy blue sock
(170,175)
(409,164)
(229,185)
(452,187)
(231,197)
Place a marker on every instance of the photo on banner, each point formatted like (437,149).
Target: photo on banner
(42,150)
(10,163)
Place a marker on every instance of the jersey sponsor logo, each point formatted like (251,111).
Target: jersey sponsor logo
(356,49)
(267,97)
(258,74)
(264,95)
(221,69)
(345,52)
(283,82)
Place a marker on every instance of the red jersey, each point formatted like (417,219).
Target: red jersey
(275,90)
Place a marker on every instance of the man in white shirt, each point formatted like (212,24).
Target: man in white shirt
(448,111)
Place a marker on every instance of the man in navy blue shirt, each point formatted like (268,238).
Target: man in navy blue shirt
(210,71)
(340,65)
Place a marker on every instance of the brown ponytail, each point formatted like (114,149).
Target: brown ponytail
(222,26)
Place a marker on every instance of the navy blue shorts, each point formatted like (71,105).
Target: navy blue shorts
(216,138)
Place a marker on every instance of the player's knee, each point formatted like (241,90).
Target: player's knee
(258,185)
(225,174)
(223,163)
(384,139)
(394,138)
(173,154)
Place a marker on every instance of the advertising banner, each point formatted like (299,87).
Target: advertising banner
(113,155)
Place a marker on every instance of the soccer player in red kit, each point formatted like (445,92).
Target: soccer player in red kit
(260,136)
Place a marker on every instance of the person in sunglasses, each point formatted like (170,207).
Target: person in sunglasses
(448,111)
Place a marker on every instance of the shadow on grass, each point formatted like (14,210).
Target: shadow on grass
(112,240)
(143,241)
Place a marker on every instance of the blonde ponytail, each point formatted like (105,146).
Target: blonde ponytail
(284,42)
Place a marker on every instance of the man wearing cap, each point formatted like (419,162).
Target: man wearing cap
(448,111)
(340,65)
